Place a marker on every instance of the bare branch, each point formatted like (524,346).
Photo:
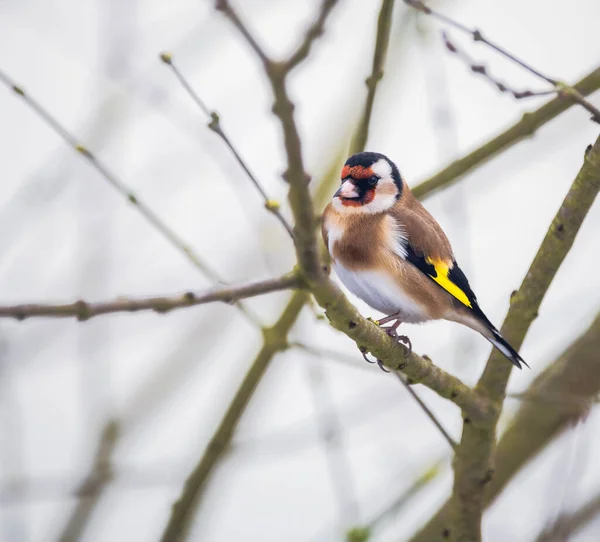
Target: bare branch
(180,522)
(526,127)
(313,32)
(92,487)
(478,36)
(112,179)
(567,525)
(473,460)
(84,310)
(215,125)
(299,194)
(191,496)
(427,411)
(384,25)
(152,218)
(223,5)
(576,372)
(392,508)
(341,313)
(481,69)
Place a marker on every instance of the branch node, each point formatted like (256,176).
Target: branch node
(488,477)
(214,123)
(82,149)
(82,310)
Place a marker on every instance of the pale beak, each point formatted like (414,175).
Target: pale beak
(347,190)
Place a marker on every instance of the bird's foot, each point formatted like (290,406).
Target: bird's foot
(380,364)
(393,332)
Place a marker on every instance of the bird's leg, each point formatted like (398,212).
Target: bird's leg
(392,332)
(387,319)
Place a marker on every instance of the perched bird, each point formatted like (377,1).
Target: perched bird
(391,253)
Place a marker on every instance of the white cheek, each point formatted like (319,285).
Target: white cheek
(381,202)
(337,204)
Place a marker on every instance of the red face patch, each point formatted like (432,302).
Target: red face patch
(357,172)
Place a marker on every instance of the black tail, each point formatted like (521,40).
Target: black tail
(500,343)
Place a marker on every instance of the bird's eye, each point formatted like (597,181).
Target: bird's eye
(373,181)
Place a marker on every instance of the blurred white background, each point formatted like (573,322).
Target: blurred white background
(166,380)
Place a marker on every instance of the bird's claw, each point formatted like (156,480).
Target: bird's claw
(364,355)
(391,331)
(377,360)
(404,339)
(382,366)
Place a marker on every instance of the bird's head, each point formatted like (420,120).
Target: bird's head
(371,183)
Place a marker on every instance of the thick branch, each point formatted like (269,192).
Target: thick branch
(526,127)
(420,370)
(83,310)
(473,460)
(341,313)
(575,373)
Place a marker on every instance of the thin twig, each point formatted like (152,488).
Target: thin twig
(560,86)
(392,508)
(427,411)
(481,69)
(153,219)
(91,488)
(271,205)
(364,532)
(84,310)
(313,32)
(525,127)
(295,174)
(384,25)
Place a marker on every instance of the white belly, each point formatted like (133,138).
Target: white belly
(382,293)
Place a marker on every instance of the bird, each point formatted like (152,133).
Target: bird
(389,251)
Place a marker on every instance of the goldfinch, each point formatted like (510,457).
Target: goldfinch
(391,253)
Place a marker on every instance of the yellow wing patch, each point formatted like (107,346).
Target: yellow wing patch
(442,279)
